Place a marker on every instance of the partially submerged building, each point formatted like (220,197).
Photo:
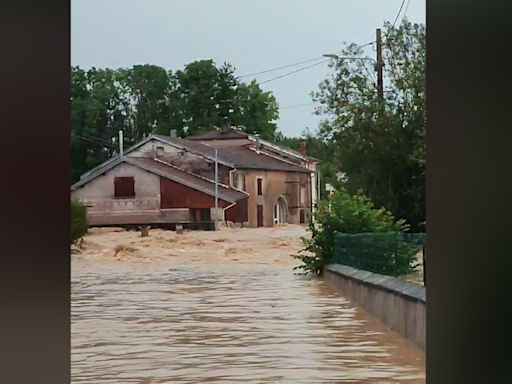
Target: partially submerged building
(166,180)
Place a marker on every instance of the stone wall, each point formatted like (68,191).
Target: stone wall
(401,305)
(277,184)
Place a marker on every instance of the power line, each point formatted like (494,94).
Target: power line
(406,8)
(309,66)
(283,67)
(95,141)
(296,106)
(291,73)
(400,10)
(294,65)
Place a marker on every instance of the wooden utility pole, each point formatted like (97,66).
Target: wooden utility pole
(378,68)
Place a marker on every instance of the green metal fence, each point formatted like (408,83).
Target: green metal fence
(385,253)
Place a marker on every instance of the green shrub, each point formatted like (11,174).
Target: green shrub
(78,220)
(348,215)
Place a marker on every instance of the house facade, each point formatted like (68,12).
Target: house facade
(166,180)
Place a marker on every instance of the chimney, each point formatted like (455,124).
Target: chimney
(225,125)
(173,133)
(258,144)
(303,148)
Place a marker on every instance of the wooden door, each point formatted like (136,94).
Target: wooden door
(259,215)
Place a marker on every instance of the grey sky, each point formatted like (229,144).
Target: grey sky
(253,35)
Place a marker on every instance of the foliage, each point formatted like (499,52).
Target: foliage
(147,98)
(203,94)
(78,220)
(343,213)
(381,147)
(98,112)
(148,87)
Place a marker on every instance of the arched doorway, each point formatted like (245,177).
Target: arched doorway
(280,211)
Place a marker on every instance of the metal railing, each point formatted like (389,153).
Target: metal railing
(394,254)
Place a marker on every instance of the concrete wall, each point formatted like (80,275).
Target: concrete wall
(401,305)
(99,193)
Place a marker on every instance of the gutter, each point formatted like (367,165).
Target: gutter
(229,206)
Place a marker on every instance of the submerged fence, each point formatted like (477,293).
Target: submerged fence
(391,253)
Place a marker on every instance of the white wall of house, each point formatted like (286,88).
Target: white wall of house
(98,193)
(103,208)
(101,189)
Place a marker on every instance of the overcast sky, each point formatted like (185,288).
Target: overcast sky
(254,35)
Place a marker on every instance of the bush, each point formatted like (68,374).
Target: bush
(344,214)
(78,220)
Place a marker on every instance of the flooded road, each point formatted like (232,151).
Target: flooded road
(226,324)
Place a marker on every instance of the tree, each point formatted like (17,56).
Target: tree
(197,89)
(149,89)
(147,98)
(202,95)
(381,147)
(255,111)
(98,112)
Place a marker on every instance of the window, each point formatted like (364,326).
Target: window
(124,187)
(160,151)
(260,186)
(302,195)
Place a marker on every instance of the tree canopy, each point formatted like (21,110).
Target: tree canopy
(147,98)
(381,147)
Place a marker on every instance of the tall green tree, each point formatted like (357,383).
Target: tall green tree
(149,88)
(147,98)
(197,89)
(255,111)
(381,147)
(203,94)
(98,112)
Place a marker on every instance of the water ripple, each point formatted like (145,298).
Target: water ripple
(227,325)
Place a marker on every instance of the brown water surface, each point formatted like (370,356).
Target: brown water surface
(226,324)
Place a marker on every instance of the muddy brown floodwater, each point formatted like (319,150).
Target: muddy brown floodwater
(226,323)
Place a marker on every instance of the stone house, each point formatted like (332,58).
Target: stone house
(171,180)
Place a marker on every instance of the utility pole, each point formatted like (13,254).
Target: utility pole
(120,143)
(378,68)
(216,188)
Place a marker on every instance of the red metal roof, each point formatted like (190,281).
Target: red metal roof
(187,178)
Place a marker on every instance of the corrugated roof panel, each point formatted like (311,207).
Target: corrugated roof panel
(186,178)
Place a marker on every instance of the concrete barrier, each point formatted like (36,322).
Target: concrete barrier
(400,305)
